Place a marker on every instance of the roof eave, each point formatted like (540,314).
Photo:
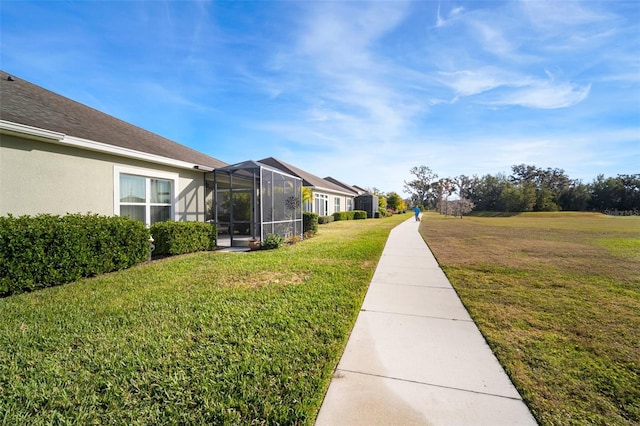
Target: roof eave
(334,191)
(43,135)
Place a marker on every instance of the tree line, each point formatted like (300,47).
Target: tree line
(527,189)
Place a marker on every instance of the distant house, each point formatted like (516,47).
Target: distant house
(58,156)
(360,190)
(328,197)
(363,200)
(350,188)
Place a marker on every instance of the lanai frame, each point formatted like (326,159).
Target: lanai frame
(251,200)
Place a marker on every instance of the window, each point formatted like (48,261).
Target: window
(322,204)
(307,206)
(336,204)
(144,196)
(349,204)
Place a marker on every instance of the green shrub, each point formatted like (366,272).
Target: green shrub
(350,215)
(359,214)
(47,250)
(325,219)
(310,222)
(273,241)
(343,215)
(183,237)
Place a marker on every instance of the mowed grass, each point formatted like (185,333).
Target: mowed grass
(206,338)
(557,297)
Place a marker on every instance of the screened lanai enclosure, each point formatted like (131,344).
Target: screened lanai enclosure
(251,200)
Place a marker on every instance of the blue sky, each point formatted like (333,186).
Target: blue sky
(361,91)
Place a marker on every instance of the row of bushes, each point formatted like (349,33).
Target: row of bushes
(46,250)
(171,238)
(350,215)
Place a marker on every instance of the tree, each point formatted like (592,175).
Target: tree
(485,194)
(307,195)
(394,201)
(464,185)
(619,193)
(443,189)
(576,197)
(549,184)
(512,198)
(421,188)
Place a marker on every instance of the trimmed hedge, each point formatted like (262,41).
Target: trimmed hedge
(359,214)
(46,250)
(309,222)
(350,215)
(183,237)
(343,215)
(325,219)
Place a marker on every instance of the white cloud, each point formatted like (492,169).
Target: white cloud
(502,88)
(545,95)
(453,13)
(492,37)
(473,82)
(552,16)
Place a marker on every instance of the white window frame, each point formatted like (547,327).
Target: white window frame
(308,206)
(336,204)
(148,175)
(349,206)
(321,200)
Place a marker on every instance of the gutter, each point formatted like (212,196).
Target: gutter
(43,135)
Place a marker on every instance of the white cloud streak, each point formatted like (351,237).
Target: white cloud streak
(545,95)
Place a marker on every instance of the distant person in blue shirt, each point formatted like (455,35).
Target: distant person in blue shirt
(416,211)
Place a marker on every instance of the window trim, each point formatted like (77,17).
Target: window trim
(324,199)
(147,174)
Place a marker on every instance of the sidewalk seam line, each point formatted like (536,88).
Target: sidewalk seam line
(430,384)
(412,285)
(415,315)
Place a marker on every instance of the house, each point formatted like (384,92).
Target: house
(363,200)
(328,197)
(59,156)
(346,186)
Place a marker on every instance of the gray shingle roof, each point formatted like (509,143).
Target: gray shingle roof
(308,179)
(346,186)
(25,103)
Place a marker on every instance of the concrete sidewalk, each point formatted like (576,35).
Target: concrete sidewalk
(414,356)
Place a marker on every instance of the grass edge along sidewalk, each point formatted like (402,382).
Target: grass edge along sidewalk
(206,338)
(557,297)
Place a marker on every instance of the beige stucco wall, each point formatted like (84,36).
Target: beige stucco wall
(41,177)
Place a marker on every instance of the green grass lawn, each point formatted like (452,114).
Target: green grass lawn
(207,338)
(557,296)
